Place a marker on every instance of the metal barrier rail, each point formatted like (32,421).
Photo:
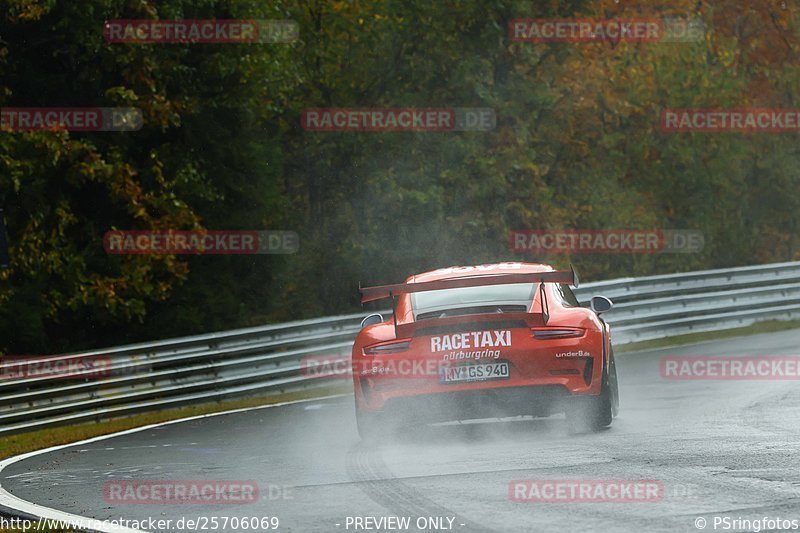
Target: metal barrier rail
(215,366)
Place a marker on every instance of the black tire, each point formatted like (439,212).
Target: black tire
(593,413)
(613,385)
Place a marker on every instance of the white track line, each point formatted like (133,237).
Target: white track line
(9,500)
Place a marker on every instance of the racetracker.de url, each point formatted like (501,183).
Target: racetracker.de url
(200,523)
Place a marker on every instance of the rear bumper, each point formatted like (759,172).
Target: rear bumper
(483,403)
(568,377)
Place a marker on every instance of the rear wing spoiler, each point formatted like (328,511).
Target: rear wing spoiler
(369,294)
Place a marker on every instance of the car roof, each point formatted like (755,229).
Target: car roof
(478,270)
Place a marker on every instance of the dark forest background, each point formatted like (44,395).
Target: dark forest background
(577,145)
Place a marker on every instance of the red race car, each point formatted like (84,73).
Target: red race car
(484,341)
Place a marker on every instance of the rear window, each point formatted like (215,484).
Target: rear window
(514,297)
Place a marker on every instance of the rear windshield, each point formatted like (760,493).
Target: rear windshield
(514,297)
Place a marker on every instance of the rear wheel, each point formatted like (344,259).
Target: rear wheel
(612,381)
(593,413)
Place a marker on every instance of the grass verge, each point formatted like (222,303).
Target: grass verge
(44,438)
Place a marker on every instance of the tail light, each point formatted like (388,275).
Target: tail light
(387,348)
(546,334)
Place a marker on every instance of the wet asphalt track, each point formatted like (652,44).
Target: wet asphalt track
(727,448)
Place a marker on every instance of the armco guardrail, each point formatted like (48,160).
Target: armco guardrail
(250,361)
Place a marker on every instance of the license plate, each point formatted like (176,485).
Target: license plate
(474,372)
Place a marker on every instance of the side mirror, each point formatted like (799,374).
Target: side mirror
(374,318)
(601,304)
